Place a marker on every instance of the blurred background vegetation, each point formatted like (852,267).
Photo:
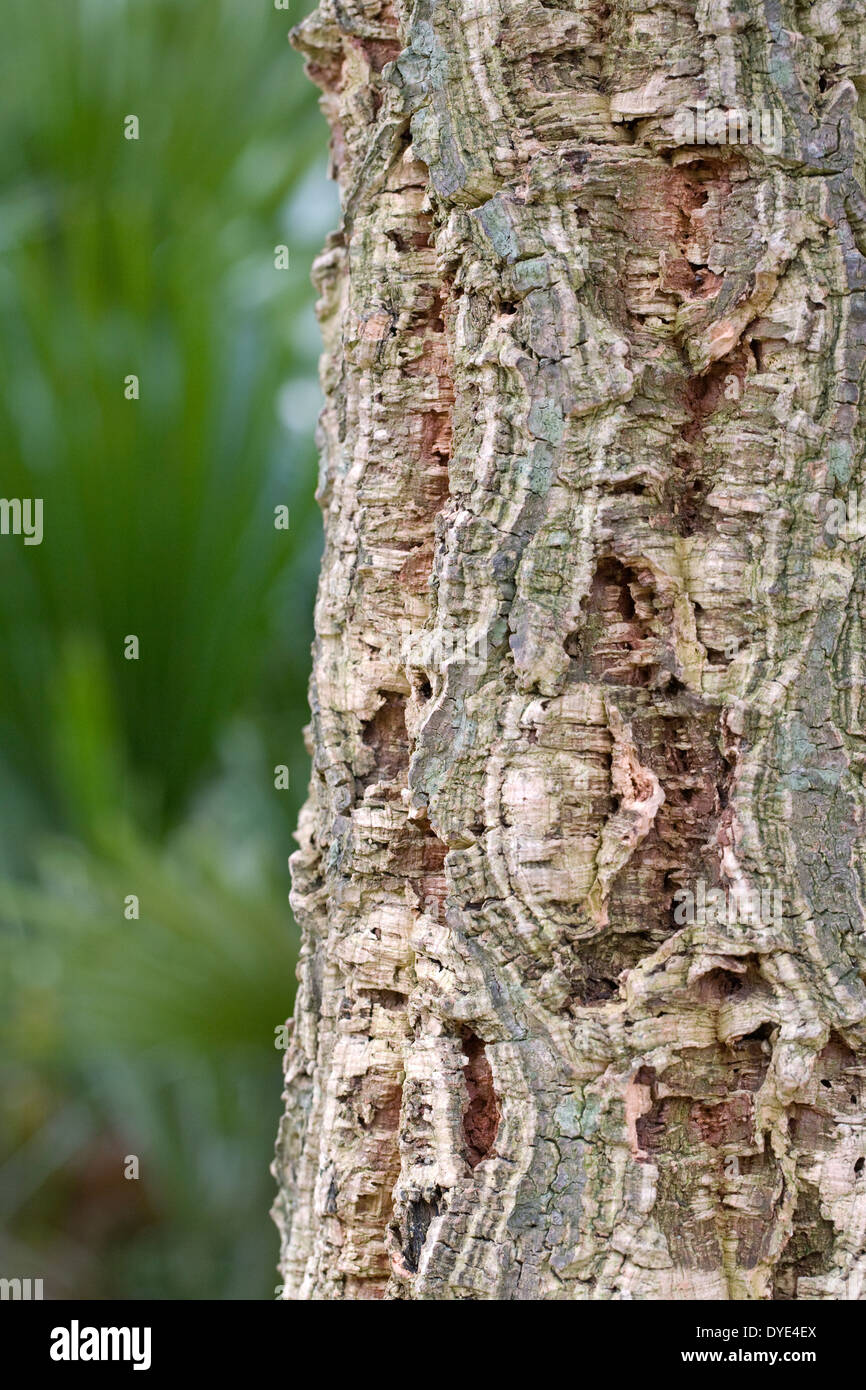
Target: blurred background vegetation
(152,1037)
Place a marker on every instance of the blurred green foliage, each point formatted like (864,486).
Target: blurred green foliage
(155,257)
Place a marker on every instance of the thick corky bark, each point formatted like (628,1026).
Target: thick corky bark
(589,656)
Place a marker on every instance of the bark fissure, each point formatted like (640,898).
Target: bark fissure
(481,1116)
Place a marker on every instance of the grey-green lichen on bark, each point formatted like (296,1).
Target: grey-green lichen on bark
(587,648)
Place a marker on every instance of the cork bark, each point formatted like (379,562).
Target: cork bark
(582,1011)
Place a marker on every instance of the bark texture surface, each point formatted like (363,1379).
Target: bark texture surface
(586,643)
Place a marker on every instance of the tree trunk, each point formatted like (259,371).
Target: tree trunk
(582,1010)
